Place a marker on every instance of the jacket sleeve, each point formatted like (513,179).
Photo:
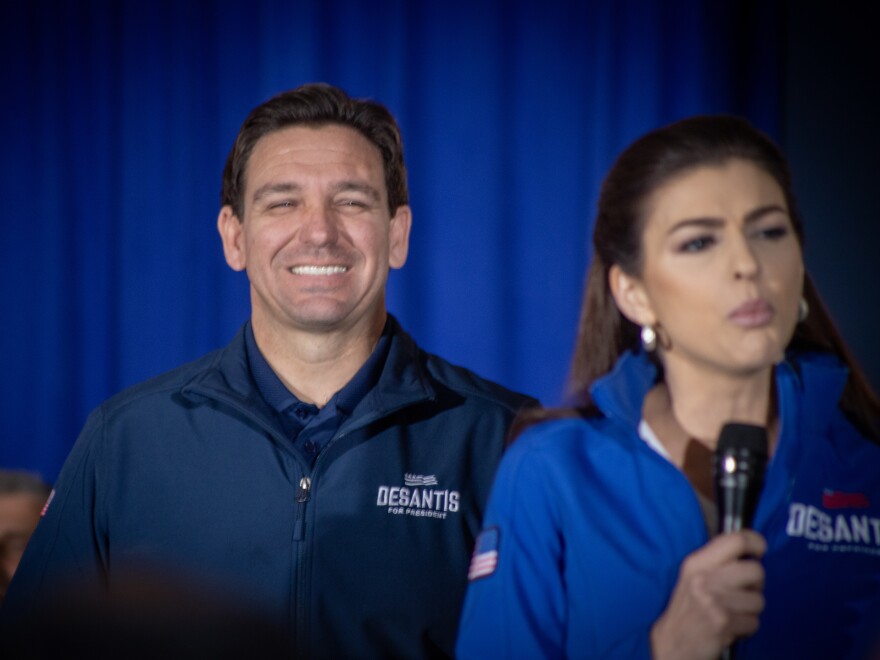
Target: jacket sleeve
(547,595)
(515,604)
(65,550)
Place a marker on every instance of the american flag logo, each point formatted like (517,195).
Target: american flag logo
(410,479)
(835,499)
(485,557)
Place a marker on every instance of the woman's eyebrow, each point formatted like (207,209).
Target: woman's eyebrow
(761,211)
(707,222)
(713,223)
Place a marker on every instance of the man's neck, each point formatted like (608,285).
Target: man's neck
(316,365)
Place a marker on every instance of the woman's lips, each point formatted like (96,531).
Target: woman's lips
(752,314)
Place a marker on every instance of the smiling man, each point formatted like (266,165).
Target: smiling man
(321,469)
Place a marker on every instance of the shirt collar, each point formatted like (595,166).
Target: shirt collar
(280,398)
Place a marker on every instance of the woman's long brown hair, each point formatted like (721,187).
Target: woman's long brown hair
(604,334)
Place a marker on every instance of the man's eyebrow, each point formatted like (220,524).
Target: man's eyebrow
(342,186)
(271,188)
(358,186)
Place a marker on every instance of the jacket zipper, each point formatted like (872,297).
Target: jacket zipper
(299,603)
(302,496)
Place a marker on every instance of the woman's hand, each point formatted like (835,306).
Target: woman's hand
(717,598)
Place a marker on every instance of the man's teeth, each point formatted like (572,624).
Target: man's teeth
(318,270)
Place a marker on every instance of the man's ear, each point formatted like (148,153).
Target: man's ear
(630,296)
(398,236)
(232,234)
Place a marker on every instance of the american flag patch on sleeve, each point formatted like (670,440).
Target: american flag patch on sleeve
(485,557)
(48,502)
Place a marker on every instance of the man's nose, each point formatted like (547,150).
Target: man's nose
(319,226)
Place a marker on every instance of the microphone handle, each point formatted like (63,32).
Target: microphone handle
(739,465)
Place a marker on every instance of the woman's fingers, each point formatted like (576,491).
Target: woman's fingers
(718,597)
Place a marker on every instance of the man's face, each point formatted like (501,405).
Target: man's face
(19,515)
(317,239)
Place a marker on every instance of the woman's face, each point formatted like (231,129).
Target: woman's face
(722,269)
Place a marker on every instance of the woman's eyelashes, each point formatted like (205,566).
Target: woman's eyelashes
(697,243)
(703,242)
(772,233)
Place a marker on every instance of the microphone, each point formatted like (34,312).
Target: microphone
(739,466)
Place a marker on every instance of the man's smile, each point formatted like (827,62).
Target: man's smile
(318,270)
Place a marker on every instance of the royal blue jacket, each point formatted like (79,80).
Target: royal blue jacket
(365,555)
(587,526)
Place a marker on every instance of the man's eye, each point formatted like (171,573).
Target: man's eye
(352,203)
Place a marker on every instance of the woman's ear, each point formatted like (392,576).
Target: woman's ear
(630,296)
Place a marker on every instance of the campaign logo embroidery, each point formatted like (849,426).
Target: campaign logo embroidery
(839,525)
(410,479)
(835,499)
(420,497)
(48,502)
(485,557)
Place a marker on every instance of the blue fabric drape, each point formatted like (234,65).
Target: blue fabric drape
(118,117)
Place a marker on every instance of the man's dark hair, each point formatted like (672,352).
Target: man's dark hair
(317,105)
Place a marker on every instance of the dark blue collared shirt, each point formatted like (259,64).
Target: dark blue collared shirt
(310,428)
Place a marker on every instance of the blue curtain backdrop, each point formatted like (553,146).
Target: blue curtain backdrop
(118,115)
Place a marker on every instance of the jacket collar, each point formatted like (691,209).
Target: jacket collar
(402,381)
(620,393)
(819,379)
(816,379)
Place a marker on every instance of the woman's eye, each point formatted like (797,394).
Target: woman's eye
(697,244)
(773,233)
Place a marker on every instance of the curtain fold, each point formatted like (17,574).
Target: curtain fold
(119,115)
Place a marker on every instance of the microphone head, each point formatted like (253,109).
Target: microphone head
(736,437)
(739,465)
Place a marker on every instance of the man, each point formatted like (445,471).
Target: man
(22,496)
(321,468)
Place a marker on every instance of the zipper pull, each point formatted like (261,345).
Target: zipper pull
(302,496)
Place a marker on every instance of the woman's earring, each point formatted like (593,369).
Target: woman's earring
(803,310)
(649,338)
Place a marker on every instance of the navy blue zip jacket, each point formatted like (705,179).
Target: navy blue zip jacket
(365,555)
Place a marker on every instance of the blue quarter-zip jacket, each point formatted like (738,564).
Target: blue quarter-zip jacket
(588,526)
(363,556)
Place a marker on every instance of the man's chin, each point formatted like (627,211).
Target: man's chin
(324,318)
(319,314)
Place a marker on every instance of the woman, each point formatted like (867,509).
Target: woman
(600,534)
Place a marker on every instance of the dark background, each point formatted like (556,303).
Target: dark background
(117,118)
(829,129)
